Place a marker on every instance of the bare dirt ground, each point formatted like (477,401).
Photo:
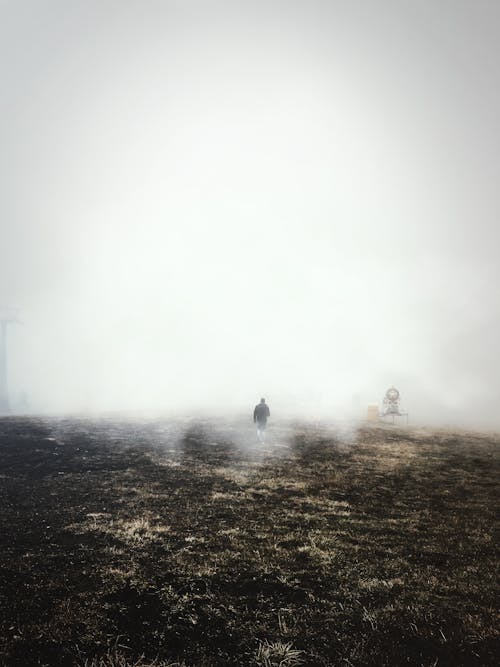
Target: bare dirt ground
(169,542)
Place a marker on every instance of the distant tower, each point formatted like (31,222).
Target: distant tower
(7,316)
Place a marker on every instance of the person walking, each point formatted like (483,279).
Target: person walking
(260,415)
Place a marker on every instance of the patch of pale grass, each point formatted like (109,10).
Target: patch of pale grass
(97,517)
(204,571)
(122,574)
(114,551)
(320,547)
(377,585)
(130,530)
(253,491)
(237,476)
(225,496)
(140,529)
(169,464)
(195,539)
(280,484)
(325,505)
(230,532)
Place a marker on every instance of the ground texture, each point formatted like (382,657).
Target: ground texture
(170,542)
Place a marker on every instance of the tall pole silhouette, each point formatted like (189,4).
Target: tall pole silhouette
(6,318)
(4,392)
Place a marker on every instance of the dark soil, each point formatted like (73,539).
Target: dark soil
(171,542)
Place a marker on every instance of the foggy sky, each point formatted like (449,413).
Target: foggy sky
(206,202)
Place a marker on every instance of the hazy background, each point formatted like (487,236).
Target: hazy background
(206,202)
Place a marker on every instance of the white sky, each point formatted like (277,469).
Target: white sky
(206,202)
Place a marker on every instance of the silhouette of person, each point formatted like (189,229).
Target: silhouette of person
(260,415)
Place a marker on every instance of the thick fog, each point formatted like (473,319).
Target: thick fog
(203,203)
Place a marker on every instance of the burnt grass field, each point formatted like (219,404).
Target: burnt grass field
(170,542)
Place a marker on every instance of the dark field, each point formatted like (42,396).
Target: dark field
(160,542)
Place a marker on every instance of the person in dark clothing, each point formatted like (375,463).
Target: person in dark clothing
(260,415)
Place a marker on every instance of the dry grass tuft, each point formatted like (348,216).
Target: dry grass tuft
(277,654)
(117,657)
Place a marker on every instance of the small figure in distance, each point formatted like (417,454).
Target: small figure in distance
(260,415)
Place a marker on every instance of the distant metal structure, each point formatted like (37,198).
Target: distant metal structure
(7,316)
(391,407)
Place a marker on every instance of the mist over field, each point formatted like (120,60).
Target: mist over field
(202,203)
